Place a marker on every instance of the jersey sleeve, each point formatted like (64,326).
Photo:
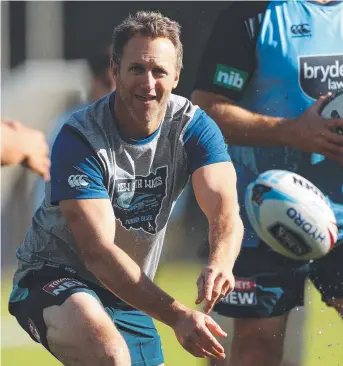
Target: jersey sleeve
(76,172)
(204,142)
(229,59)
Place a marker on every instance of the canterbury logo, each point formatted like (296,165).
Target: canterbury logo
(77,181)
(301,30)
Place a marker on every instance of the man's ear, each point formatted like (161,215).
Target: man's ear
(114,67)
(176,79)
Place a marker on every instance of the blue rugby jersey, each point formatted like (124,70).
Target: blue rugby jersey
(276,58)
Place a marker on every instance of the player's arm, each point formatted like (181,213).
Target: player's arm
(24,145)
(215,190)
(214,183)
(240,126)
(308,132)
(89,214)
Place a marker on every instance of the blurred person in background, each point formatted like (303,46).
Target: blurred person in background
(118,166)
(26,146)
(102,82)
(264,77)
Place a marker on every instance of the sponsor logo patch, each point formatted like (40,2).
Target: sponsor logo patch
(230,78)
(244,293)
(290,240)
(33,330)
(62,284)
(319,75)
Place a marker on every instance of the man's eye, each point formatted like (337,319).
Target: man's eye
(159,71)
(136,69)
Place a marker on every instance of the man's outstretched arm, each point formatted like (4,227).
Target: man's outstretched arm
(215,189)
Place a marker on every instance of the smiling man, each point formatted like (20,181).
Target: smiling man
(84,285)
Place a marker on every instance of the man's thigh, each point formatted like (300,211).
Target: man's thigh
(292,341)
(50,289)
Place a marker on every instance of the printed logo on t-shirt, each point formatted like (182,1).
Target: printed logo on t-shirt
(230,78)
(319,75)
(138,201)
(244,293)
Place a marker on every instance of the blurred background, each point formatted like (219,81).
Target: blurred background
(54,59)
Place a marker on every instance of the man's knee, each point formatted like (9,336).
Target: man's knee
(258,341)
(259,346)
(80,329)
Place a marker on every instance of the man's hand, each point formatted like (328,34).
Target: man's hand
(194,331)
(312,133)
(27,146)
(214,283)
(37,153)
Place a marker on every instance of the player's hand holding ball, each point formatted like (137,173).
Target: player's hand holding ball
(320,128)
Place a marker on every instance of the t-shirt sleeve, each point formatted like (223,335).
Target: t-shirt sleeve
(229,59)
(204,142)
(76,171)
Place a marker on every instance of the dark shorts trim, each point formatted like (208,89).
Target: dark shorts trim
(268,284)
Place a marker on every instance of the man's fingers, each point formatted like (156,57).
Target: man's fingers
(209,283)
(210,343)
(322,101)
(196,348)
(214,327)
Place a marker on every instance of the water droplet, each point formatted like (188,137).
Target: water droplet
(330,324)
(320,330)
(322,310)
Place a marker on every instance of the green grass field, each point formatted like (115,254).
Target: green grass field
(323,333)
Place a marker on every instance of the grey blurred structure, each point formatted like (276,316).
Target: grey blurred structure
(43,49)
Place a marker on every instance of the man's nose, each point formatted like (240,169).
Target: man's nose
(148,80)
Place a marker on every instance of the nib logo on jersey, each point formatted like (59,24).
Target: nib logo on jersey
(230,78)
(138,201)
(244,293)
(319,75)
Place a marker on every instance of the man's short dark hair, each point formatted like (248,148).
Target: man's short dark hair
(150,24)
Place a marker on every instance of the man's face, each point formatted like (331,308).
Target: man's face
(146,77)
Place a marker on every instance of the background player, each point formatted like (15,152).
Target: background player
(263,78)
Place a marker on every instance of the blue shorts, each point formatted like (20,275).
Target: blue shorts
(52,286)
(268,284)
